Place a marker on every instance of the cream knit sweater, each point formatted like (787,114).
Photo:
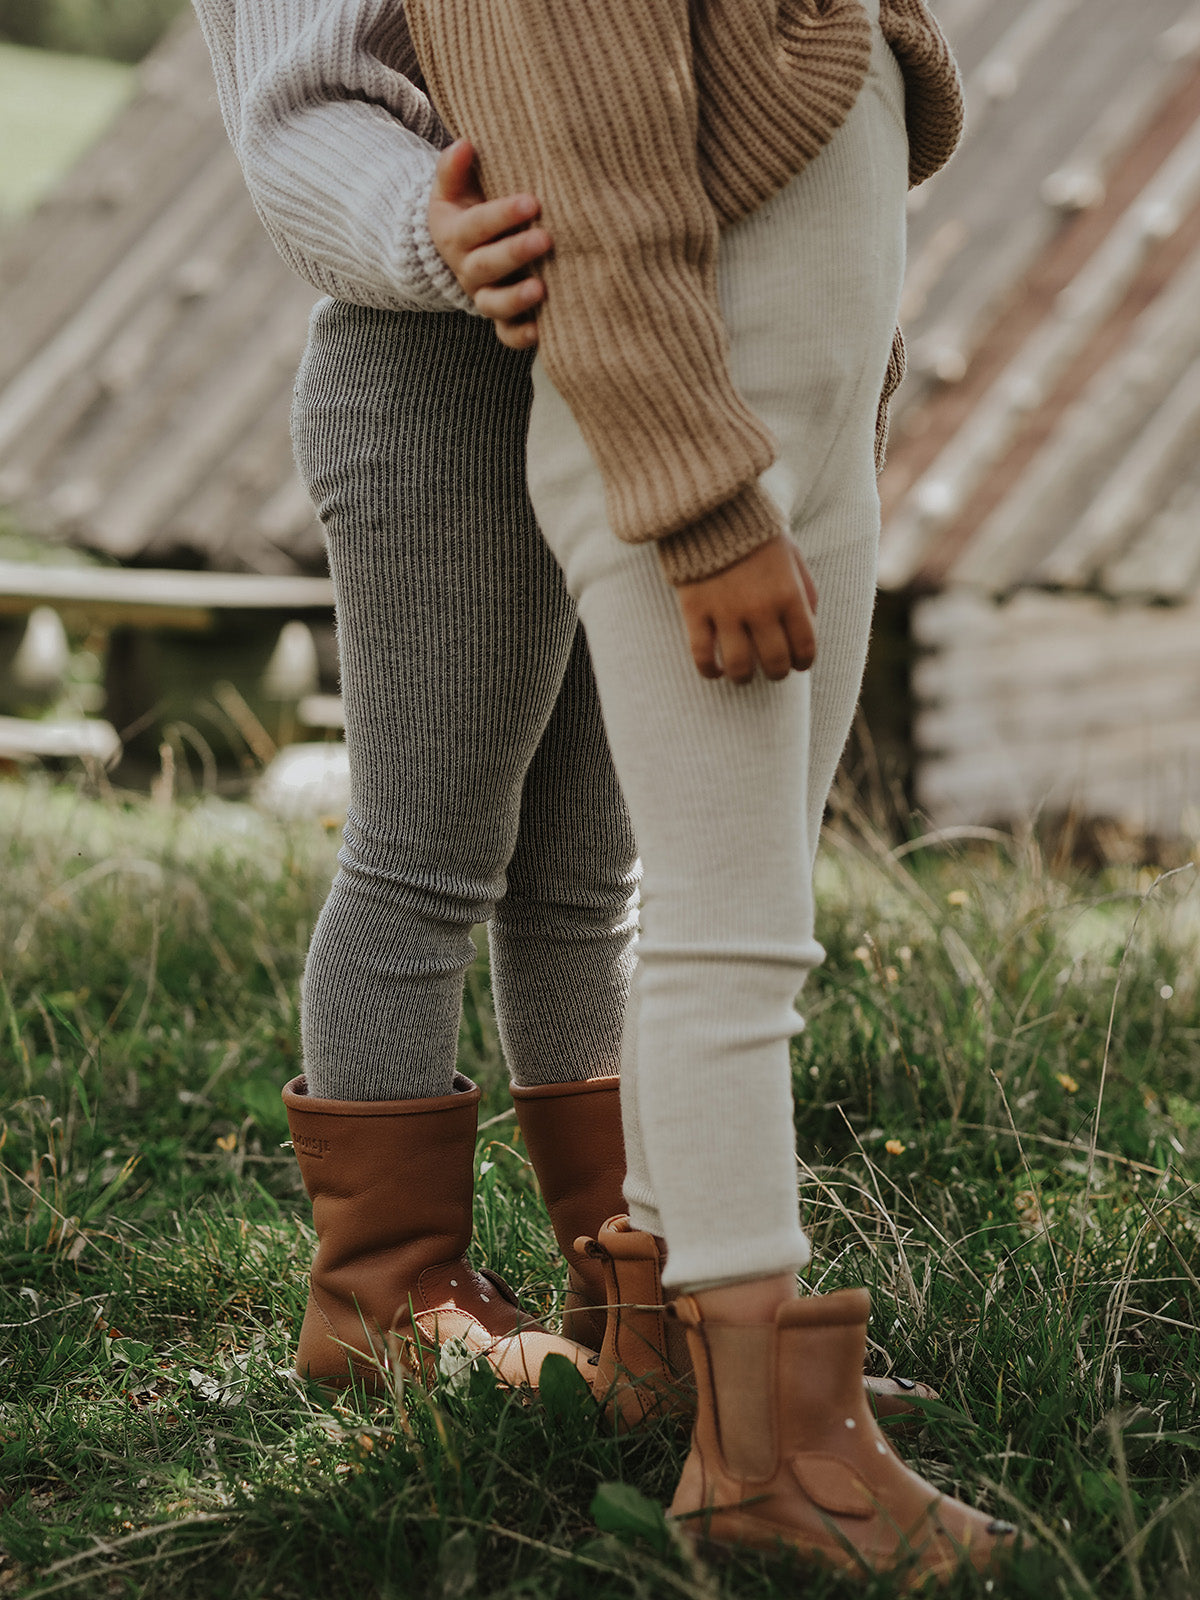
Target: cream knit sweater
(643,127)
(324,105)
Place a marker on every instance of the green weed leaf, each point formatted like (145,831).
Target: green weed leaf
(621,1509)
(564,1390)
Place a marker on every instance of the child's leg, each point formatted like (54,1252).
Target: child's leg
(562,937)
(724,783)
(845,581)
(455,633)
(715,777)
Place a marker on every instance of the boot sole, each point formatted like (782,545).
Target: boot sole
(746,1534)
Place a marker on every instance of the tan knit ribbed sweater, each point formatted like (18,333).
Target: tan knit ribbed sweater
(643,125)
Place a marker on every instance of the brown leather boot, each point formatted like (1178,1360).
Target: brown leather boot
(786,1450)
(391,1184)
(573,1134)
(645,1368)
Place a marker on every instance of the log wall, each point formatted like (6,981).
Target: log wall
(1058,703)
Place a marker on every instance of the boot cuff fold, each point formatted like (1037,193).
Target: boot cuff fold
(617,1238)
(296,1097)
(555,1091)
(845,1308)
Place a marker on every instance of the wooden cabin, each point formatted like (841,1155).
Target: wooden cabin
(1041,550)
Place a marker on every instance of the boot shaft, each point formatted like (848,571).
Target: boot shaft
(572,1132)
(645,1368)
(391,1185)
(775,1389)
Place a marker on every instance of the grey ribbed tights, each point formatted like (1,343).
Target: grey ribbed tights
(481,784)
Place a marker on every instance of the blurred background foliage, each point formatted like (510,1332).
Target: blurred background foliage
(122,30)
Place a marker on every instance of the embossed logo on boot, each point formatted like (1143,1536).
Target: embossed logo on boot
(310,1145)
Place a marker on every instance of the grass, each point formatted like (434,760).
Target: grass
(51,108)
(999,1117)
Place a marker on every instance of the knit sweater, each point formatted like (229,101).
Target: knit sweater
(324,105)
(643,128)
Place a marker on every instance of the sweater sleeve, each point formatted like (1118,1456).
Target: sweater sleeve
(337,143)
(592,107)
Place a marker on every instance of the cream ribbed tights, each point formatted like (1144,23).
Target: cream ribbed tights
(726,785)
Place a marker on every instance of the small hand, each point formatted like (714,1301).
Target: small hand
(489,245)
(758,612)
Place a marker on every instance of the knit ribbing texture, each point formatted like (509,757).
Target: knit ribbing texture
(641,129)
(726,784)
(482,786)
(337,143)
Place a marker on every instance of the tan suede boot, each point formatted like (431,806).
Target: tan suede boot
(786,1451)
(391,1184)
(645,1368)
(572,1132)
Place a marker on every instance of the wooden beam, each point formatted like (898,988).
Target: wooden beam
(78,340)
(1164,563)
(80,738)
(1133,493)
(157,599)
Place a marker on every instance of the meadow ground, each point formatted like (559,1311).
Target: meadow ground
(998,1109)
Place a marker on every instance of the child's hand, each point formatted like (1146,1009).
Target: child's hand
(758,612)
(489,245)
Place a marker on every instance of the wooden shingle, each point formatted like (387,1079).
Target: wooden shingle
(149,337)
(1051,412)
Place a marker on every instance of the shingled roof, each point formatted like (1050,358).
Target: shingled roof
(149,335)
(1049,433)
(1046,436)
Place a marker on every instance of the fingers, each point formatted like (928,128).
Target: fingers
(454,174)
(486,220)
(737,652)
(517,335)
(701,638)
(806,578)
(799,618)
(511,301)
(466,219)
(491,264)
(800,634)
(776,642)
(774,647)
(756,614)
(489,245)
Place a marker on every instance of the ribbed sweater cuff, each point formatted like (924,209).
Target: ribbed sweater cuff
(721,537)
(441,279)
